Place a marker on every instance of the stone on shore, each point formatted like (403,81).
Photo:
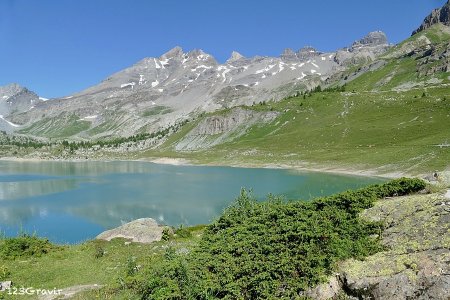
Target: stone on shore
(145,230)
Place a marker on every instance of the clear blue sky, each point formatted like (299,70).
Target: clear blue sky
(57,47)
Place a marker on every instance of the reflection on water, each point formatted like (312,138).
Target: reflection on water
(73,201)
(23,189)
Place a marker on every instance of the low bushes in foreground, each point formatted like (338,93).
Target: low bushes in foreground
(25,245)
(272,249)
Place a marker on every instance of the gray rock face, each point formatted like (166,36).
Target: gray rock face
(440,15)
(15,99)
(415,262)
(307,53)
(433,60)
(364,50)
(375,38)
(235,56)
(288,55)
(325,291)
(216,129)
(144,230)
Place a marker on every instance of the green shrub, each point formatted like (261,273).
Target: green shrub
(4,273)
(183,232)
(131,266)
(273,249)
(166,234)
(99,251)
(25,246)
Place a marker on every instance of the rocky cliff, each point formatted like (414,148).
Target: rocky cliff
(213,130)
(440,15)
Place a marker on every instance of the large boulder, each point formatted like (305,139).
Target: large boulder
(144,230)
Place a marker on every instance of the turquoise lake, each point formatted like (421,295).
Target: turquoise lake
(69,202)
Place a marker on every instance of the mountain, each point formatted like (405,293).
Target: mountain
(158,92)
(440,15)
(15,99)
(386,114)
(364,50)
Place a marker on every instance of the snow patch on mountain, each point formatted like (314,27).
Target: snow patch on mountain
(10,123)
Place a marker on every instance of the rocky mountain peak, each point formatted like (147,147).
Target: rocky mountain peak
(375,38)
(307,53)
(235,56)
(288,54)
(15,98)
(363,50)
(174,52)
(195,53)
(10,89)
(439,15)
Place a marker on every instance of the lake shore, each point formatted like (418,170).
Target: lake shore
(234,164)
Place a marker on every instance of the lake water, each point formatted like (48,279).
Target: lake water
(69,202)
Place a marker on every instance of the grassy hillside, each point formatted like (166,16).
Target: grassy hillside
(64,126)
(385,130)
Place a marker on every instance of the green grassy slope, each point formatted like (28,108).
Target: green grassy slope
(64,126)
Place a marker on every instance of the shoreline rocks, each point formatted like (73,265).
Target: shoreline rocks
(415,262)
(145,230)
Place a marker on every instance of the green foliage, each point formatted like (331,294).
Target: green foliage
(273,249)
(170,278)
(4,272)
(166,235)
(183,232)
(25,246)
(131,266)
(99,251)
(20,141)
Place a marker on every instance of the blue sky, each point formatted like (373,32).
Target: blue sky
(58,47)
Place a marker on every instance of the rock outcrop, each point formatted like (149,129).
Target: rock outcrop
(144,230)
(440,15)
(16,99)
(214,130)
(306,53)
(235,56)
(288,55)
(435,59)
(373,39)
(415,264)
(363,50)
